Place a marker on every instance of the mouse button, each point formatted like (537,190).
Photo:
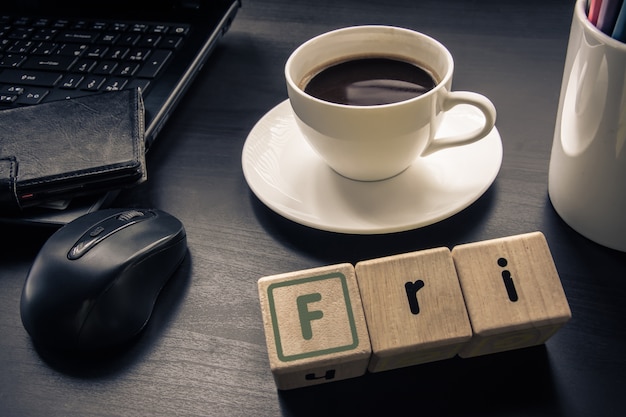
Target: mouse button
(135,214)
(170,227)
(105,228)
(92,237)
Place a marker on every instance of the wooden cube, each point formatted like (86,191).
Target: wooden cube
(314,326)
(414,308)
(512,292)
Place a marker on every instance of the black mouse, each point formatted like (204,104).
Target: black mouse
(94,283)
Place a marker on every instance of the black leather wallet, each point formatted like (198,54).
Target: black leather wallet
(70,148)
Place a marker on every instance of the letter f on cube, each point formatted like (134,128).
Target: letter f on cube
(307,316)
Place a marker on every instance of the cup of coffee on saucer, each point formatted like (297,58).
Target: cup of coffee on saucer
(371,139)
(370,99)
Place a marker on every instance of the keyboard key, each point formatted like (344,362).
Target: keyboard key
(93,83)
(20,47)
(60,24)
(159,29)
(114,84)
(119,27)
(109,38)
(71,81)
(44,48)
(171,42)
(11,89)
(71,49)
(45,34)
(21,33)
(98,26)
(42,23)
(154,64)
(32,96)
(85,66)
(180,30)
(56,63)
(117,53)
(11,61)
(7,99)
(139,27)
(96,52)
(149,41)
(30,77)
(127,69)
(80,25)
(105,68)
(129,39)
(138,54)
(56,95)
(77,36)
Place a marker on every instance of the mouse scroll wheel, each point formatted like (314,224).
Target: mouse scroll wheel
(130,215)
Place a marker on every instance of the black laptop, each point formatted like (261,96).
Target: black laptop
(60,49)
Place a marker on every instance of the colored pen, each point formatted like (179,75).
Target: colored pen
(594,11)
(619,31)
(608,15)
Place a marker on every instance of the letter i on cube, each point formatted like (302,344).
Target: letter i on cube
(314,326)
(512,292)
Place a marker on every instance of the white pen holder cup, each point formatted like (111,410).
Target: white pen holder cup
(587,176)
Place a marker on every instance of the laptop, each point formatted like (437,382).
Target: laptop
(61,49)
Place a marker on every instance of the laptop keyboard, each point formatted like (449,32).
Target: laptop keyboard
(44,60)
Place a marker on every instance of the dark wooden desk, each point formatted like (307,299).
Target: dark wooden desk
(204,351)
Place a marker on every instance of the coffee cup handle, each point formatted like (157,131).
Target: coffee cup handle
(479,101)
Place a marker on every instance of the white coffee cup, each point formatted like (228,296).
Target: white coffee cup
(587,175)
(371,143)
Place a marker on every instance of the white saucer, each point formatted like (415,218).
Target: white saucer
(286,174)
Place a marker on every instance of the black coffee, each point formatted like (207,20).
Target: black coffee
(370,81)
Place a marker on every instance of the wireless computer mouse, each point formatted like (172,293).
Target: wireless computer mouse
(94,283)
